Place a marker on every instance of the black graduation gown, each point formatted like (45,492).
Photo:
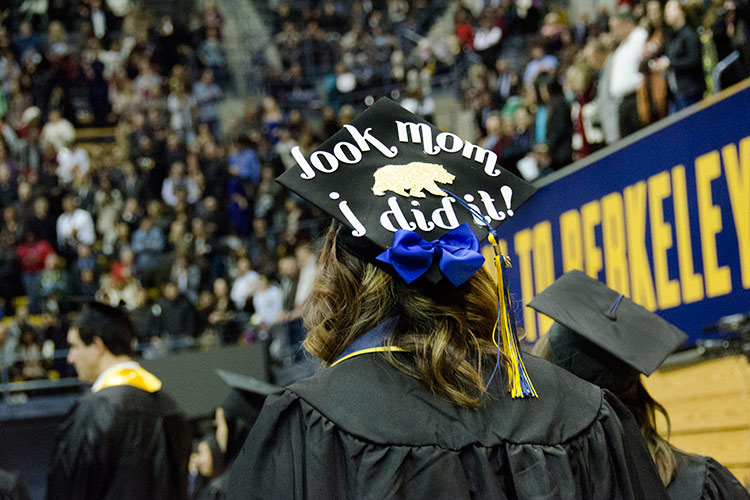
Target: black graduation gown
(363,430)
(12,487)
(216,489)
(121,443)
(703,478)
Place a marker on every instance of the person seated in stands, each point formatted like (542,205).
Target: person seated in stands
(245,285)
(86,284)
(10,336)
(175,315)
(29,355)
(148,246)
(268,302)
(12,225)
(120,287)
(58,131)
(53,281)
(223,314)
(74,226)
(32,254)
(41,222)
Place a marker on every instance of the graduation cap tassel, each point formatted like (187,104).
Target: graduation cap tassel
(519,382)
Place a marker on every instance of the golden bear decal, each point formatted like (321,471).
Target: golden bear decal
(414,176)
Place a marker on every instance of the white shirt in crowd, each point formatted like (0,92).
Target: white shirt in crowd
(68,160)
(60,134)
(243,288)
(170,185)
(268,305)
(99,23)
(305,282)
(625,78)
(486,38)
(80,221)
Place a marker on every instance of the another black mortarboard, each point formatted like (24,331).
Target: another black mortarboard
(389,169)
(242,406)
(80,303)
(246,384)
(601,335)
(247,395)
(108,319)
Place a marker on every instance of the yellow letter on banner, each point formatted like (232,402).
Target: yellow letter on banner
(718,278)
(522,245)
(592,254)
(570,239)
(613,241)
(692,282)
(738,181)
(667,291)
(641,285)
(544,269)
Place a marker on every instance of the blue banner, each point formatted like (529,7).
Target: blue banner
(664,220)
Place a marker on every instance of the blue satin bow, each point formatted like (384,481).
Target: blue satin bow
(458,250)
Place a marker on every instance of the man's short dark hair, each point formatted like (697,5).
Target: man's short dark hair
(110,324)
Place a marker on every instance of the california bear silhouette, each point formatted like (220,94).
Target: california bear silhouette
(414,176)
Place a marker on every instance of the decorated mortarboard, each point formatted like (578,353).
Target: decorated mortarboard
(390,170)
(416,201)
(601,335)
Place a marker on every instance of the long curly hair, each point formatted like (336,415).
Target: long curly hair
(447,330)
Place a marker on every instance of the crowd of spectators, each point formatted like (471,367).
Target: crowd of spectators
(180,220)
(563,90)
(545,91)
(179,224)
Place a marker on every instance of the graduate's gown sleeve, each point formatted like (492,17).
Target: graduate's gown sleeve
(295,452)
(81,461)
(12,487)
(121,443)
(703,478)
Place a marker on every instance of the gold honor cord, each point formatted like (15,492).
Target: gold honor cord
(368,351)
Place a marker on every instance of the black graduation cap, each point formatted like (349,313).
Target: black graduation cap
(247,384)
(389,170)
(242,406)
(104,311)
(601,335)
(248,393)
(79,302)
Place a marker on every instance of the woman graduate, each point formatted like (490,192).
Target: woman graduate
(416,400)
(607,339)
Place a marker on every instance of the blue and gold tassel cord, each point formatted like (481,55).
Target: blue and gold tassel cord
(519,383)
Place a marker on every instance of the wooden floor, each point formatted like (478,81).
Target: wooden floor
(709,406)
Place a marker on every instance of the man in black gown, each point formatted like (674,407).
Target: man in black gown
(125,439)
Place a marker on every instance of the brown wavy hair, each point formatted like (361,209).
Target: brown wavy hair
(447,329)
(644,408)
